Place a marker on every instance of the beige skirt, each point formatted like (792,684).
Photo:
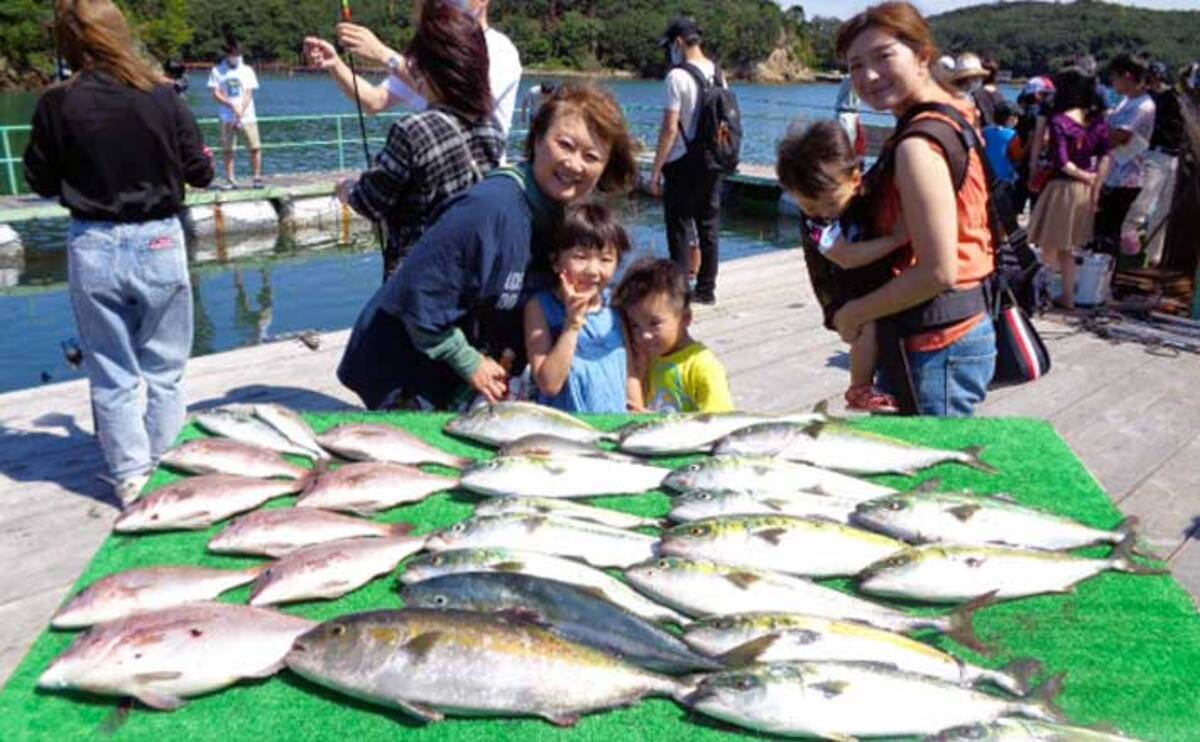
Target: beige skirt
(1063,219)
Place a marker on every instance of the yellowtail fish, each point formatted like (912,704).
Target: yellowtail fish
(563,509)
(599,546)
(700,504)
(693,432)
(763,475)
(1011,729)
(563,476)
(505,422)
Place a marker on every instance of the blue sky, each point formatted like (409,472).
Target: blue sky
(846,8)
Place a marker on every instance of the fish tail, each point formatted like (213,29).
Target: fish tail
(1127,531)
(688,688)
(1019,675)
(308,480)
(975,462)
(1122,559)
(1042,701)
(400,529)
(962,623)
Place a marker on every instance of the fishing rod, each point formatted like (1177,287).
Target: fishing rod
(348,17)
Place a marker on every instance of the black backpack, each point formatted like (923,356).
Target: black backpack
(718,140)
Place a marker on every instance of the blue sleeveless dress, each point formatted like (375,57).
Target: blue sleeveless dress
(596,382)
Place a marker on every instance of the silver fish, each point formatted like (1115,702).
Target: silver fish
(763,475)
(367,487)
(564,509)
(147,589)
(700,504)
(566,476)
(163,657)
(281,531)
(947,573)
(702,588)
(923,517)
(693,432)
(227,456)
(229,423)
(781,637)
(505,422)
(378,442)
(331,569)
(842,447)
(836,700)
(599,546)
(496,559)
(290,425)
(431,663)
(198,502)
(1010,729)
(544,444)
(801,546)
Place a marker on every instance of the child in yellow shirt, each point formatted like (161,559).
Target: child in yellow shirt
(677,373)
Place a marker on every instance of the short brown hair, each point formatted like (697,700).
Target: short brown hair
(450,52)
(900,19)
(816,160)
(593,226)
(604,117)
(651,276)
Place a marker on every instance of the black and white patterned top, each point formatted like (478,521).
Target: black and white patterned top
(429,156)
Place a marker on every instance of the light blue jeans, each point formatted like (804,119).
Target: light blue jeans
(951,381)
(132,301)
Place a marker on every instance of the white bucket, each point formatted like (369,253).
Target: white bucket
(1093,278)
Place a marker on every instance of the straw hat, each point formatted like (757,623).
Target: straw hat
(968,65)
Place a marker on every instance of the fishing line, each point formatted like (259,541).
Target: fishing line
(347,17)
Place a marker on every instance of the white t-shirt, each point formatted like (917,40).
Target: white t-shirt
(234,82)
(682,94)
(1136,116)
(504,77)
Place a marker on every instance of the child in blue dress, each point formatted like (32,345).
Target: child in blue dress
(574,340)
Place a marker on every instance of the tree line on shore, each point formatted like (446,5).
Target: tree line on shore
(594,35)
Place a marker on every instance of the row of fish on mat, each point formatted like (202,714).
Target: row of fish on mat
(511,612)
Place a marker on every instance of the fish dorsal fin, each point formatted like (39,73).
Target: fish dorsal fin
(742,579)
(421,645)
(513,566)
(964,512)
(814,430)
(771,535)
(776,503)
(748,653)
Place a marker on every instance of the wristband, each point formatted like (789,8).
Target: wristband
(394,63)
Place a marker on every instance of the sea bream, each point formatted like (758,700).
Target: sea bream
(948,573)
(927,517)
(702,588)
(847,700)
(332,569)
(378,442)
(700,504)
(744,638)
(516,561)
(163,657)
(1011,729)
(844,448)
(431,663)
(505,422)
(239,426)
(196,503)
(693,432)
(147,589)
(227,456)
(290,425)
(368,487)
(575,613)
(544,444)
(564,476)
(562,509)
(599,546)
(811,547)
(280,531)
(766,475)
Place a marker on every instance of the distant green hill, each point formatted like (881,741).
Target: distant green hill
(1032,38)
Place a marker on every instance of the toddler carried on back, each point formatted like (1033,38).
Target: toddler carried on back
(820,169)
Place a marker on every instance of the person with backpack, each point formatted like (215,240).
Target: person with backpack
(698,143)
(936,306)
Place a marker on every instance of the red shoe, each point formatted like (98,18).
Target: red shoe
(866,398)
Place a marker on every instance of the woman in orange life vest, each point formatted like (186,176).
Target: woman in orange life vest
(890,53)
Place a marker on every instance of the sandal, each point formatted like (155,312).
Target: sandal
(866,398)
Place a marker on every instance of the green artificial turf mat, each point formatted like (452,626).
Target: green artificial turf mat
(1130,644)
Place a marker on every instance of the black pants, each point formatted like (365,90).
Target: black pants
(1114,206)
(693,194)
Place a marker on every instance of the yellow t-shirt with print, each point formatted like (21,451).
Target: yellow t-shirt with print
(688,380)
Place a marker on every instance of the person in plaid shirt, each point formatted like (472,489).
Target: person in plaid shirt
(434,154)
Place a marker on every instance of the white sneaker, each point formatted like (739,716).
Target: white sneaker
(129,489)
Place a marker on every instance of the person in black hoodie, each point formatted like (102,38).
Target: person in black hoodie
(115,145)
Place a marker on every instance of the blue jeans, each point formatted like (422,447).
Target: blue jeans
(951,381)
(132,301)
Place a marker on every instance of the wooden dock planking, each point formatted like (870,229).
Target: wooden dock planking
(1130,415)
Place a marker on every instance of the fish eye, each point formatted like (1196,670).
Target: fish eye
(974,562)
(338,630)
(896,504)
(493,464)
(745,683)
(664,564)
(438,560)
(897,561)
(704,496)
(697,530)
(440,600)
(722,623)
(694,467)
(458,527)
